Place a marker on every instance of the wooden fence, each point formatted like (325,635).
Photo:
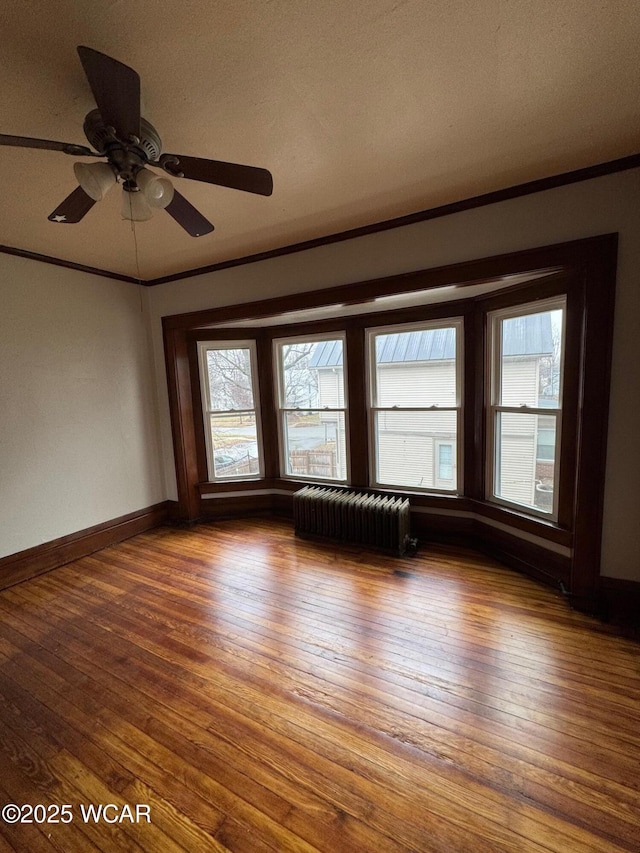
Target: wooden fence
(321,463)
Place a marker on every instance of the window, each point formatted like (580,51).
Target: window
(228,379)
(415,405)
(445,464)
(525,411)
(312,408)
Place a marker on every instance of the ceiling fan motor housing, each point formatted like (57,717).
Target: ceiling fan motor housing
(103,139)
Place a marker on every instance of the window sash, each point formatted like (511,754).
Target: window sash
(284,450)
(494,350)
(374,409)
(495,408)
(549,512)
(425,443)
(209,411)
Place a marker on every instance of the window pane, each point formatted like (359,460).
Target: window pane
(546,440)
(530,368)
(314,444)
(234,439)
(312,374)
(416,369)
(229,372)
(445,461)
(411,446)
(522,475)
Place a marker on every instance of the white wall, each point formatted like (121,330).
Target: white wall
(78,418)
(599,206)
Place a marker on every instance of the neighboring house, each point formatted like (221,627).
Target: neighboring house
(419,449)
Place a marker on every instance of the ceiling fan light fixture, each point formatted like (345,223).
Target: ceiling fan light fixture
(118,132)
(96,179)
(135,206)
(157,191)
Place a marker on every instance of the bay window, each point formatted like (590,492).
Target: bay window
(526,479)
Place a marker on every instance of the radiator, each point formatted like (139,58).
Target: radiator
(379,521)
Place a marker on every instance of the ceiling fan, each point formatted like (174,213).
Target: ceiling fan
(130,143)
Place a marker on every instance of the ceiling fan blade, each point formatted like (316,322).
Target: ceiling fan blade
(30,142)
(186,215)
(251,179)
(73,208)
(116,89)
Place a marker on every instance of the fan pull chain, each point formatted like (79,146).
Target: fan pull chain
(135,248)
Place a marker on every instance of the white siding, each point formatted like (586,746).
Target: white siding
(417,383)
(425,423)
(518,462)
(330,387)
(406,447)
(406,460)
(520,381)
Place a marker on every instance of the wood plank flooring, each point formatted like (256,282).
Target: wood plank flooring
(263,693)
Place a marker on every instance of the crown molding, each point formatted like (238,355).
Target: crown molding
(587,173)
(72,265)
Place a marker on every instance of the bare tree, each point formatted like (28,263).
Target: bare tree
(229,372)
(230,378)
(300,381)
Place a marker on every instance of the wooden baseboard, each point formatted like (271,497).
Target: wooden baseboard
(544,565)
(619,602)
(235,507)
(540,563)
(433,527)
(42,558)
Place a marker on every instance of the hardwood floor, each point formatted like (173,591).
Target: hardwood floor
(262,693)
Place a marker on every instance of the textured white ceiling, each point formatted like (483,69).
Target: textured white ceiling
(363,110)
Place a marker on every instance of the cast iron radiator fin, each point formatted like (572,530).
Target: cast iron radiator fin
(376,520)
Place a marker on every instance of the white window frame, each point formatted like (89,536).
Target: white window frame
(282,411)
(373,408)
(493,372)
(203,348)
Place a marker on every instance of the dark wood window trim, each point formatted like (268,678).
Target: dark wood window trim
(584,270)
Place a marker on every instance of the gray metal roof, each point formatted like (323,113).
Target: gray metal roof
(528,335)
(325,354)
(428,345)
